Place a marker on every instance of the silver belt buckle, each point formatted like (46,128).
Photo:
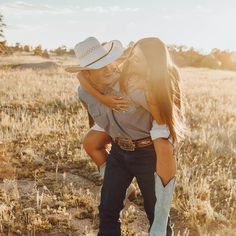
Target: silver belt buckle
(126,144)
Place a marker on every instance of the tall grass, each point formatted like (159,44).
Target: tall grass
(42,125)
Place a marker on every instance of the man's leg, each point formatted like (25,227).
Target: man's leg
(115,183)
(143,168)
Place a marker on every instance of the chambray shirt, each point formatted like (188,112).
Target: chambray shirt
(134,123)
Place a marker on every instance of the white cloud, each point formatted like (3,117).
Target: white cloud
(26,27)
(25,8)
(167,17)
(95,9)
(202,9)
(101,9)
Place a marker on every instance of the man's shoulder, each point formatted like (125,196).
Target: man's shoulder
(81,91)
(83,94)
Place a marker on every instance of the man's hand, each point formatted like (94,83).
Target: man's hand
(115,103)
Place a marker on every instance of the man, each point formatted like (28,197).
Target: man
(132,153)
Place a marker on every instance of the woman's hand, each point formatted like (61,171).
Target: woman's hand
(115,103)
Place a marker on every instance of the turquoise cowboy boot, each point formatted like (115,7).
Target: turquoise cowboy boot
(162,206)
(131,192)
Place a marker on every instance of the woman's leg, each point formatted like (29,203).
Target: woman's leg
(165,177)
(95,144)
(166,162)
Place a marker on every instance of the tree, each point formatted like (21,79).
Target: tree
(2,25)
(17,47)
(3,46)
(26,48)
(60,50)
(210,61)
(45,54)
(38,51)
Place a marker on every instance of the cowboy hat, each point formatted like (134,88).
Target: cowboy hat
(94,55)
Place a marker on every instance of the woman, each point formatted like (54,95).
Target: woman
(150,59)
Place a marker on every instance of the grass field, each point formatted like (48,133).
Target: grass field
(49,186)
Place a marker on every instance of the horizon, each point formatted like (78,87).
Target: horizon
(182,23)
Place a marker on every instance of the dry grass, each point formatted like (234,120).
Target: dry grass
(50,186)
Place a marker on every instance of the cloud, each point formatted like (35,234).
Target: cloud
(102,9)
(167,17)
(202,9)
(25,8)
(26,27)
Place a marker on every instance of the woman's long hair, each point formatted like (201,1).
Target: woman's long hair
(163,84)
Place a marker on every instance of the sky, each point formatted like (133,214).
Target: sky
(202,24)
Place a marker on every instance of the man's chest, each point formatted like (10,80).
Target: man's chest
(134,122)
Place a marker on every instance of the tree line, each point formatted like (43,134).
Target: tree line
(182,55)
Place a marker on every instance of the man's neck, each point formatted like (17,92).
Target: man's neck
(112,86)
(106,86)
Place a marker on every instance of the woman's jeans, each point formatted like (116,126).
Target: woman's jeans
(121,167)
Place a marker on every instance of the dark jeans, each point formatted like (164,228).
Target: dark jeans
(121,167)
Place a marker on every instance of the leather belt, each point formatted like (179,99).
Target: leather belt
(130,145)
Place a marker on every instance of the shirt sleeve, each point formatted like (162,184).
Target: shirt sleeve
(80,90)
(158,130)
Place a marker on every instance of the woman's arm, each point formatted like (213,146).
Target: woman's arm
(114,102)
(162,144)
(89,88)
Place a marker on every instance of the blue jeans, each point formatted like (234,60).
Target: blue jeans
(121,167)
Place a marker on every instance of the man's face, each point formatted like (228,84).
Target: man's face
(103,74)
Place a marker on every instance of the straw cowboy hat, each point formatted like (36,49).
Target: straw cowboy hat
(94,55)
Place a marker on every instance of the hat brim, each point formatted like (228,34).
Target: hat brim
(116,51)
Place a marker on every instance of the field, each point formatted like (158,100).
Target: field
(49,186)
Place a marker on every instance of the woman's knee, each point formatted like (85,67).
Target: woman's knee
(95,140)
(87,143)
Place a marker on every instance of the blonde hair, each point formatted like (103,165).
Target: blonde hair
(163,84)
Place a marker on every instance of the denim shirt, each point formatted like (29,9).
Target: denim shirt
(134,123)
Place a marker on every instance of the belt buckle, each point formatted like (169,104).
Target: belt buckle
(146,142)
(126,144)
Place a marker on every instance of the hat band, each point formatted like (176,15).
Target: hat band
(101,57)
